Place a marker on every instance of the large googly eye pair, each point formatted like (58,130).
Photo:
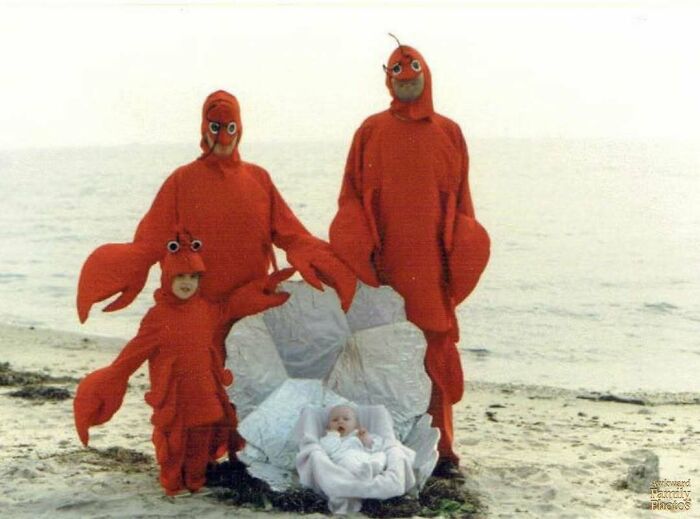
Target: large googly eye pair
(415,65)
(231,127)
(174,246)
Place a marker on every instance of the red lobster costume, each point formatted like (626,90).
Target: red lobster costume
(235,209)
(193,421)
(405,218)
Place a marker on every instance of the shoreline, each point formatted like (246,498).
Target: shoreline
(530,451)
(115,344)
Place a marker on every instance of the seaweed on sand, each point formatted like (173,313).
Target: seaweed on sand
(11,377)
(42,393)
(440,497)
(111,459)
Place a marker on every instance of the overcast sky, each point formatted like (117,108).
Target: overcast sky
(77,74)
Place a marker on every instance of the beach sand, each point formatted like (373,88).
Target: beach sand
(530,451)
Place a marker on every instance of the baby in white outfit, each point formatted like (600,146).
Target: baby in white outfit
(351,446)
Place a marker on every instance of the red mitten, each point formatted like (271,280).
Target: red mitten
(98,397)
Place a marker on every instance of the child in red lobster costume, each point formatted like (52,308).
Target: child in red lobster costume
(405,218)
(230,205)
(193,420)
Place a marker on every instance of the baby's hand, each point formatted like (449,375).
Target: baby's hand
(364,437)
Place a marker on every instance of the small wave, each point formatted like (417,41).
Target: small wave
(661,307)
(479,353)
(9,277)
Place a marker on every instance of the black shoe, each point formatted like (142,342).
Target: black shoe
(236,465)
(221,474)
(448,469)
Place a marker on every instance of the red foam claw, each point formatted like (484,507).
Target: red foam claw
(98,397)
(257,295)
(278,277)
(309,274)
(335,274)
(109,270)
(85,411)
(352,240)
(127,296)
(469,257)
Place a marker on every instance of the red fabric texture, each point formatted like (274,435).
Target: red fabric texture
(444,367)
(235,209)
(194,422)
(406,219)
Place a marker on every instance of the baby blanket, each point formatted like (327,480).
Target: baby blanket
(344,490)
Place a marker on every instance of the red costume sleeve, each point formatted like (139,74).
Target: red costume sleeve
(351,234)
(101,393)
(312,257)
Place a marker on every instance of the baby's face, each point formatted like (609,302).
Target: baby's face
(343,420)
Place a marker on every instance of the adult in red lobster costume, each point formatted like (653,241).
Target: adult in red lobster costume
(192,417)
(405,218)
(230,205)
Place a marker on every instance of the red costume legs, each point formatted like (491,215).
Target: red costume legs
(197,454)
(444,367)
(170,454)
(184,456)
(236,442)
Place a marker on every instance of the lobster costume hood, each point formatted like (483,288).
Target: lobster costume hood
(222,113)
(405,218)
(182,258)
(194,422)
(410,66)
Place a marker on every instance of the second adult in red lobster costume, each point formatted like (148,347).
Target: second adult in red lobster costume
(234,208)
(405,218)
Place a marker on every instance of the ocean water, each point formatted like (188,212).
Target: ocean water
(594,280)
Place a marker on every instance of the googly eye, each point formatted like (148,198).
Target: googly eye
(231,128)
(415,65)
(196,245)
(214,127)
(396,69)
(173,246)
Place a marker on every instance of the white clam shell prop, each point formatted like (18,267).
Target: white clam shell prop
(308,351)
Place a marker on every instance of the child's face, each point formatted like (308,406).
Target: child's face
(343,420)
(185,285)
